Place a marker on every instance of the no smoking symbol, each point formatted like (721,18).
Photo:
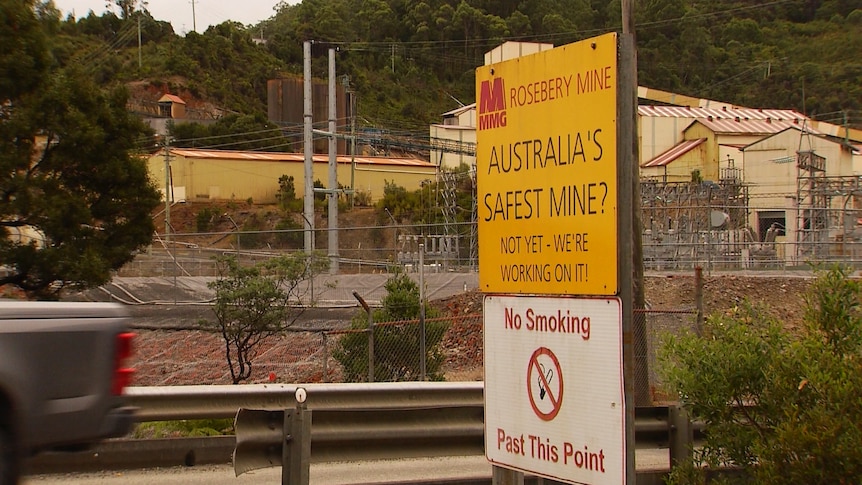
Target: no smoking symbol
(545,384)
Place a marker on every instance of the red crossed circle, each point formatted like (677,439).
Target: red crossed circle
(556,400)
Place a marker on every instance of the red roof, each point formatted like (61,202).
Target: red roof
(742,126)
(172,99)
(294,157)
(674,153)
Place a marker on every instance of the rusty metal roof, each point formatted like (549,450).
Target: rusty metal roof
(294,157)
(674,153)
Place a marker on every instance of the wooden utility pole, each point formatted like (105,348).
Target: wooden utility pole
(631,258)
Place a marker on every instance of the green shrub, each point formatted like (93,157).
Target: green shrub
(183,428)
(204,219)
(396,347)
(782,404)
(292,236)
(362,198)
(286,194)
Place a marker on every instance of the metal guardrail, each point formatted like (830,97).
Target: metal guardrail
(201,402)
(350,422)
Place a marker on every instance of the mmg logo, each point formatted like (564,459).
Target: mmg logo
(492,104)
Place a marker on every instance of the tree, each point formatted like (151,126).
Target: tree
(396,346)
(75,199)
(286,195)
(127,7)
(256,302)
(24,59)
(782,404)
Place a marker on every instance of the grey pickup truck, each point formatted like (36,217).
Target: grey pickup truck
(63,369)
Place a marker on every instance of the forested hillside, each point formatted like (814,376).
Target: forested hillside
(411,60)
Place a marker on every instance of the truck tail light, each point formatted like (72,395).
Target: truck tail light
(122,373)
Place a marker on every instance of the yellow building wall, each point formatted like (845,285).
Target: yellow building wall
(770,165)
(222,179)
(708,164)
(658,134)
(680,169)
(771,173)
(452,160)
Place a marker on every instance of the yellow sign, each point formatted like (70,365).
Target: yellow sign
(547,171)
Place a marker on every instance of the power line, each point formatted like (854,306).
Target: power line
(384,46)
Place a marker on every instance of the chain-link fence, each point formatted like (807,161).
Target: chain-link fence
(396,351)
(337,352)
(651,326)
(340,348)
(453,353)
(679,243)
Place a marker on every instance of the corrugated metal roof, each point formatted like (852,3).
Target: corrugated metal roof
(674,153)
(695,112)
(744,126)
(456,127)
(462,109)
(720,114)
(295,157)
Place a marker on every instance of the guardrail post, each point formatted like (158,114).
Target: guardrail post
(681,435)
(296,451)
(267,438)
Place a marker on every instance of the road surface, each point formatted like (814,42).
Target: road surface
(350,473)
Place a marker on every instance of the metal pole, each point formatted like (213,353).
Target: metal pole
(698,299)
(370,336)
(168,198)
(370,345)
(325,358)
(167,194)
(395,237)
(333,171)
(238,245)
(422,350)
(140,58)
(352,148)
(308,196)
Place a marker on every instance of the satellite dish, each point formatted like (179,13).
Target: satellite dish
(718,219)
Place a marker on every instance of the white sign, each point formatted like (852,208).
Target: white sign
(554,397)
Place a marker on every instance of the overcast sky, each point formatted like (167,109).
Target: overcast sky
(179,12)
